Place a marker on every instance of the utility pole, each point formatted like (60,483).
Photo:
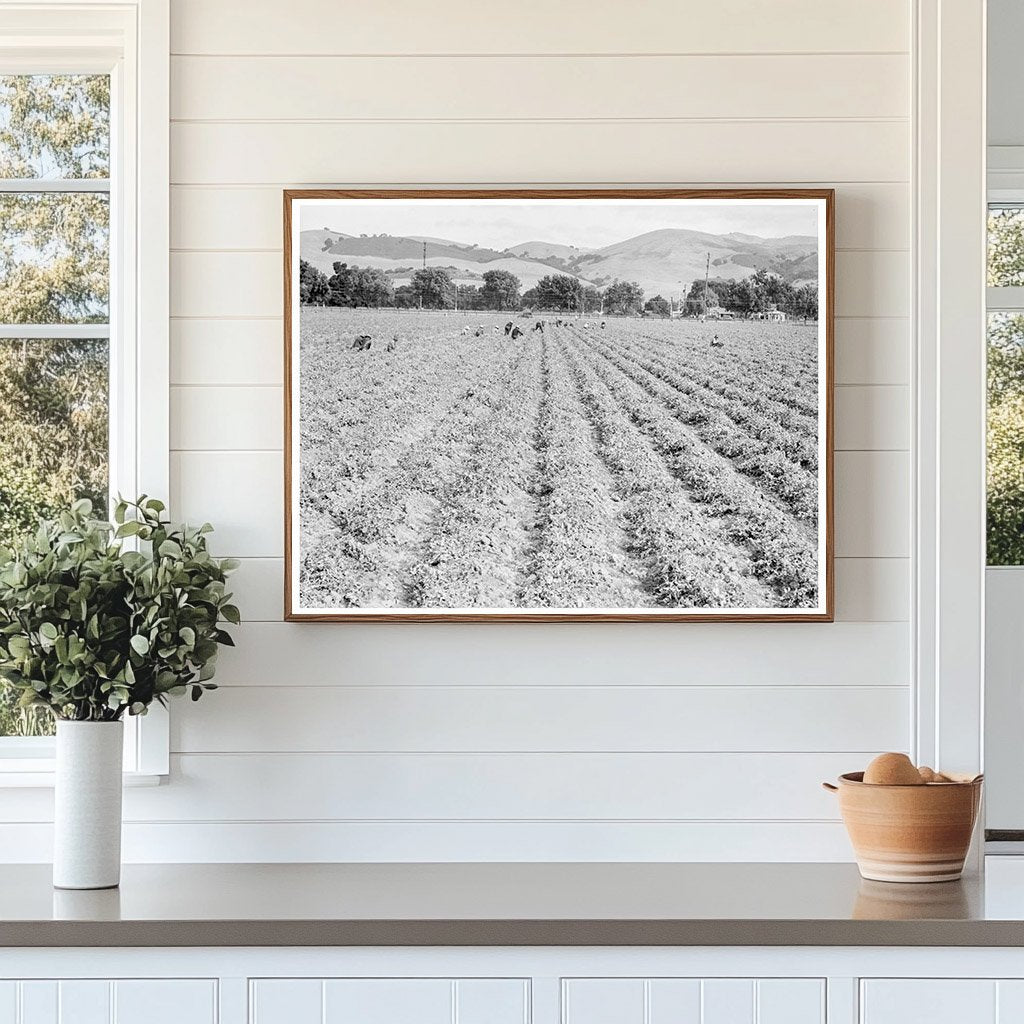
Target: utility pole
(707,270)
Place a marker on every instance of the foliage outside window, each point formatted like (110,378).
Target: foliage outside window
(54,309)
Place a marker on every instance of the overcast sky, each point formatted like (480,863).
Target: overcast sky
(498,224)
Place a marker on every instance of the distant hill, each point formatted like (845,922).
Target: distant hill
(665,261)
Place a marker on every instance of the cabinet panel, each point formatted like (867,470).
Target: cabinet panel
(603,1001)
(102,1001)
(286,1001)
(389,1001)
(165,1002)
(8,1002)
(693,1001)
(84,1002)
(492,1002)
(728,1001)
(790,1001)
(929,1001)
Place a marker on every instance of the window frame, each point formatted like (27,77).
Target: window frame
(130,41)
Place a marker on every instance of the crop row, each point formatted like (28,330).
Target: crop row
(690,562)
(764,458)
(578,557)
(473,551)
(759,416)
(362,549)
(771,392)
(782,550)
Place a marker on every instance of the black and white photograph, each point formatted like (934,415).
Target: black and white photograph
(559,406)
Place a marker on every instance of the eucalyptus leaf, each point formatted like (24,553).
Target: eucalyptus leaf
(93,631)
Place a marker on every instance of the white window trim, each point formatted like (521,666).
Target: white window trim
(130,40)
(949,444)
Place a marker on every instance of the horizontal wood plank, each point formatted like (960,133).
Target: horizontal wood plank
(872,504)
(223,352)
(539,88)
(579,654)
(161,842)
(872,418)
(868,216)
(629,719)
(377,787)
(867,589)
(552,152)
(536,26)
(872,350)
(234,418)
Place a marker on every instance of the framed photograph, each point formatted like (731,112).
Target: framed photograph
(558,405)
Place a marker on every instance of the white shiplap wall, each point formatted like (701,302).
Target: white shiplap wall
(662,741)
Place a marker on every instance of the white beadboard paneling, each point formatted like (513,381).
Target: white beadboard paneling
(552,151)
(872,504)
(9,1002)
(579,654)
(596,719)
(603,1001)
(286,1001)
(872,418)
(166,1002)
(40,1003)
(790,1001)
(492,1001)
(241,493)
(444,786)
(388,1001)
(872,589)
(931,1000)
(216,418)
(86,1002)
(1010,999)
(867,589)
(673,1000)
(525,87)
(867,283)
(223,352)
(873,283)
(577,26)
(872,350)
(727,1001)
(868,216)
(281,842)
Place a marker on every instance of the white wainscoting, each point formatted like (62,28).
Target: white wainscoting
(702,741)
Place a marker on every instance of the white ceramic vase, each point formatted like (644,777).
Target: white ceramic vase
(87,809)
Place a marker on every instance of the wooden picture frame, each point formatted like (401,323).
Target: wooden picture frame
(779,514)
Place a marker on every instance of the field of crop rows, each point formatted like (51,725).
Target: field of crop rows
(645,464)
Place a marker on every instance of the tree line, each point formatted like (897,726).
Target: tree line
(760,292)
(434,288)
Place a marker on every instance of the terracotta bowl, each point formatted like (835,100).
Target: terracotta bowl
(909,833)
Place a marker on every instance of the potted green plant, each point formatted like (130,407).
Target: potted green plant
(99,620)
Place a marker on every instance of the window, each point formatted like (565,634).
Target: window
(84,124)
(54,309)
(1005,477)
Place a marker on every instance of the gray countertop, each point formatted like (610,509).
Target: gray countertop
(504,904)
